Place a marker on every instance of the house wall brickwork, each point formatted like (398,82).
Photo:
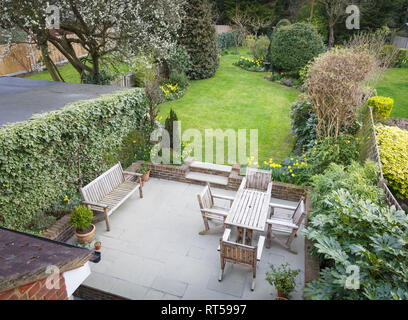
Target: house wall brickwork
(36,290)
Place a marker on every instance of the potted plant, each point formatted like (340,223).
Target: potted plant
(283,278)
(81,218)
(97,245)
(145,170)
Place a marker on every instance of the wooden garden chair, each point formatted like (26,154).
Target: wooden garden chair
(286,226)
(240,254)
(209,210)
(257,179)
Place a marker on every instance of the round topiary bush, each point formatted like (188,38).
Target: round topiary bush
(293,46)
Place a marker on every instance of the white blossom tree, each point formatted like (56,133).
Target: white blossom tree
(108,30)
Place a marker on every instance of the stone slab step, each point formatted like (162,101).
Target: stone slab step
(204,177)
(206,166)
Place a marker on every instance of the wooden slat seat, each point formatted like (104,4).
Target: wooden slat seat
(107,192)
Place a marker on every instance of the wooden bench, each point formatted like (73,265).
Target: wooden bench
(107,192)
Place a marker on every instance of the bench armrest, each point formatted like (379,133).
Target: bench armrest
(282,223)
(133,173)
(221,213)
(95,204)
(261,243)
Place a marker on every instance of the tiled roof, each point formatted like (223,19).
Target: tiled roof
(24,258)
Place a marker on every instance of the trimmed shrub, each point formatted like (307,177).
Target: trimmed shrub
(258,46)
(227,39)
(283,23)
(393,147)
(382,107)
(179,60)
(198,36)
(293,46)
(39,158)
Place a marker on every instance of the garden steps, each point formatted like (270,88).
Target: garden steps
(203,178)
(210,168)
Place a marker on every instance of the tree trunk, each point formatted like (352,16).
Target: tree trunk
(331,37)
(48,62)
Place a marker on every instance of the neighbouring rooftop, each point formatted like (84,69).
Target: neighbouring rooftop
(24,258)
(20,98)
(154,251)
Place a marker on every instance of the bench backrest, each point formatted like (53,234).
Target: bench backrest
(257,179)
(238,253)
(104,184)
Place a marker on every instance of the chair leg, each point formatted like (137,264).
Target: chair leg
(206,226)
(268,236)
(106,219)
(221,274)
(253,278)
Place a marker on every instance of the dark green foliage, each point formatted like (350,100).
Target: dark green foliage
(283,23)
(180,78)
(102,78)
(341,150)
(169,125)
(198,36)
(179,61)
(350,225)
(292,47)
(227,39)
(304,122)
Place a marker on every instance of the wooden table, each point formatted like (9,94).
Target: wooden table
(249,212)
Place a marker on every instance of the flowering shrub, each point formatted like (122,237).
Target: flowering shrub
(258,46)
(382,107)
(249,64)
(172,91)
(393,147)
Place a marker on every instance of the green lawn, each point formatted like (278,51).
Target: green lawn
(395,85)
(67,71)
(239,99)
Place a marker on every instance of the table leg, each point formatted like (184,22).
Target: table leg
(248,237)
(240,235)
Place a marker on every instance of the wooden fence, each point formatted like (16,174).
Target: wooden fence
(369,150)
(400,42)
(23,58)
(222,28)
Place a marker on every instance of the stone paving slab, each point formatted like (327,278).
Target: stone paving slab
(154,251)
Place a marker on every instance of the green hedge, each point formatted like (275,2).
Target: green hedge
(37,157)
(225,40)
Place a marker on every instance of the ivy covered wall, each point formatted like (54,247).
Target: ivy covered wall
(44,159)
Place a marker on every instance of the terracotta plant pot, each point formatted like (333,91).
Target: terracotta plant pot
(281,295)
(146,176)
(98,245)
(85,237)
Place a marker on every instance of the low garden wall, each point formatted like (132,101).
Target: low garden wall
(41,159)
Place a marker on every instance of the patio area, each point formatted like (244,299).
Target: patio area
(154,250)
